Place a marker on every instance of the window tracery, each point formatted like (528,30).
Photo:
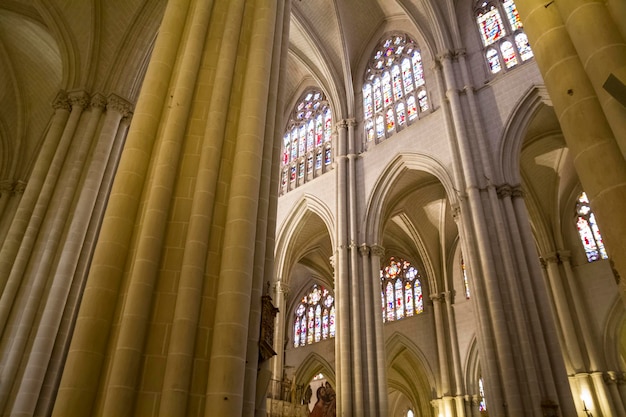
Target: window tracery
(502,34)
(307,146)
(401,290)
(588,230)
(314,317)
(394,90)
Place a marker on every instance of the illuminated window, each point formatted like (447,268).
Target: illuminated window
(401,290)
(482,404)
(465,283)
(394,92)
(307,140)
(502,33)
(588,230)
(314,317)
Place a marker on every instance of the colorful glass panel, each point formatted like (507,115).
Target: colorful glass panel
(411,108)
(490,24)
(401,291)
(327,156)
(294,143)
(301,140)
(508,54)
(368,107)
(588,230)
(319,130)
(314,317)
(397,82)
(512,14)
(523,47)
(378,96)
(482,404)
(309,163)
(400,114)
(318,323)
(369,130)
(465,282)
(301,169)
(391,309)
(418,68)
(380,126)
(328,121)
(387,96)
(310,135)
(391,123)
(407,75)
(493,60)
(422,99)
(292,173)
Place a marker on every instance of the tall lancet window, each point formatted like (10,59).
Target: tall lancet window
(501,30)
(394,89)
(307,151)
(588,230)
(400,290)
(314,317)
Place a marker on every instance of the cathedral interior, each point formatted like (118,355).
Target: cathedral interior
(368,208)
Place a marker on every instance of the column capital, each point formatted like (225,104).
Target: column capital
(78,99)
(437,297)
(61,102)
(364,250)
(552,257)
(343,123)
(119,105)
(504,191)
(517,191)
(98,101)
(377,250)
(564,255)
(281,287)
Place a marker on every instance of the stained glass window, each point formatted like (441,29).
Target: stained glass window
(588,230)
(314,317)
(502,33)
(401,290)
(465,283)
(482,404)
(308,130)
(394,90)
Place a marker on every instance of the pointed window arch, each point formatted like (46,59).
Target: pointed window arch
(501,31)
(307,137)
(394,89)
(588,230)
(314,317)
(401,290)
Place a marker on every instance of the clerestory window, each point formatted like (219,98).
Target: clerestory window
(501,30)
(394,89)
(307,145)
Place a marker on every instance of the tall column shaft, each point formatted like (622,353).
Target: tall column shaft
(377,253)
(79,385)
(602,51)
(583,122)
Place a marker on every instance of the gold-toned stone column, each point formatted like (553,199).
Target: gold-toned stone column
(236,282)
(36,181)
(602,51)
(83,370)
(369,311)
(597,157)
(441,345)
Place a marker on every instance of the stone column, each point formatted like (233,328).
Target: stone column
(571,344)
(602,51)
(459,392)
(377,253)
(369,310)
(584,124)
(611,379)
(281,292)
(444,374)
(343,340)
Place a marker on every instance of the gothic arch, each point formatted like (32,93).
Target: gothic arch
(312,365)
(614,336)
(295,222)
(375,210)
(409,373)
(514,132)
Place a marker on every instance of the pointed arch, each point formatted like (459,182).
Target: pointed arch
(614,336)
(285,254)
(514,132)
(409,372)
(375,210)
(312,365)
